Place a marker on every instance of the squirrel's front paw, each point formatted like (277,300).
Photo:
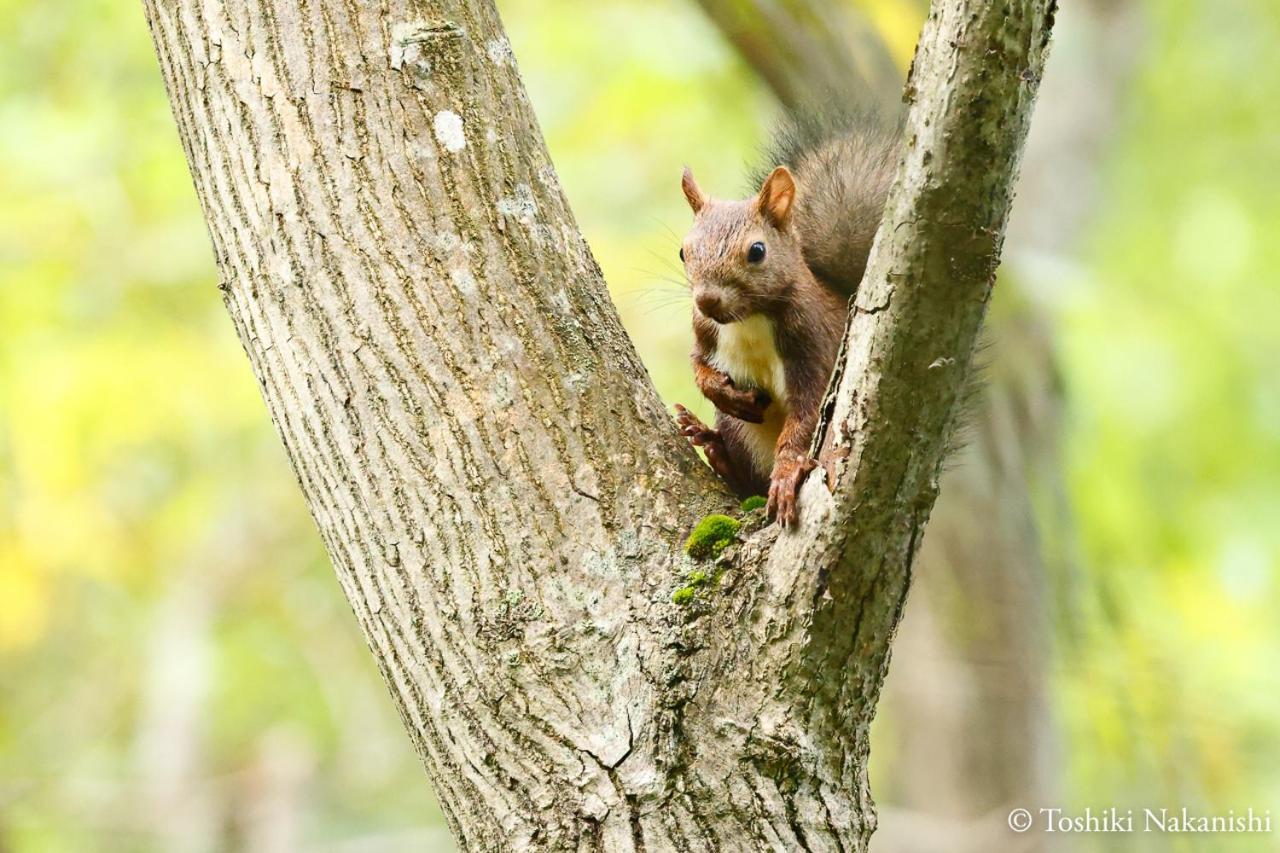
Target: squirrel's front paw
(784,487)
(745,404)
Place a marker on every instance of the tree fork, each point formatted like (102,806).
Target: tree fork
(499,487)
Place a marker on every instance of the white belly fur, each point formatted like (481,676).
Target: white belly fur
(746,351)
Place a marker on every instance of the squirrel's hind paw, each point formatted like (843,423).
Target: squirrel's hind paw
(710,440)
(693,429)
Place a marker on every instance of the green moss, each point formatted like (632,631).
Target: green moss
(754,503)
(711,536)
(698,578)
(683,595)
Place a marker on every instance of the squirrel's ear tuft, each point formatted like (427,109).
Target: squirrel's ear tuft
(777,197)
(691,191)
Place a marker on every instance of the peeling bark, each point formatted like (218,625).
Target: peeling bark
(501,492)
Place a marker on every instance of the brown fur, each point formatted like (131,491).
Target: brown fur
(774,327)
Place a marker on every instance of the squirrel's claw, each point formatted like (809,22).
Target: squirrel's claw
(784,489)
(710,440)
(698,433)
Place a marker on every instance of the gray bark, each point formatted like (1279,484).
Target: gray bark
(499,488)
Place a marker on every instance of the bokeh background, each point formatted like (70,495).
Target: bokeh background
(180,672)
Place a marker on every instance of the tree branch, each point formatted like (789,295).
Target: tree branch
(916,317)
(502,494)
(982,554)
(834,590)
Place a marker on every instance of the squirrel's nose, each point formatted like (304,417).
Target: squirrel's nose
(709,305)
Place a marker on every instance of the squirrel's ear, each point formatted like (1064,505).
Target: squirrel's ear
(691,190)
(777,196)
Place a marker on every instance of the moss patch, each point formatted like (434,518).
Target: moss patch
(693,584)
(754,503)
(712,535)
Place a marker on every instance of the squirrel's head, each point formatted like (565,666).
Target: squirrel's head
(742,258)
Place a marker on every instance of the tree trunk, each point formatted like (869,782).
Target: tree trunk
(501,492)
(973,733)
(967,697)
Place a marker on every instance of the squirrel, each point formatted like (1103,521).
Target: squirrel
(771,278)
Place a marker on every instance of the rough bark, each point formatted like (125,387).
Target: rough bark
(499,488)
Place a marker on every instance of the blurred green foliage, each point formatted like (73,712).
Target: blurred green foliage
(1170,337)
(179,669)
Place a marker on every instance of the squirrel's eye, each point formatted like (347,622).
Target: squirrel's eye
(756,253)
(682,254)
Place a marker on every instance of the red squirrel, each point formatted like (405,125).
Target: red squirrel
(771,278)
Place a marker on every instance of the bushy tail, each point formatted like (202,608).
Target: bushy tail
(844,164)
